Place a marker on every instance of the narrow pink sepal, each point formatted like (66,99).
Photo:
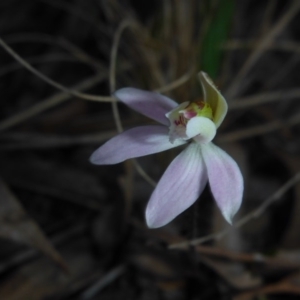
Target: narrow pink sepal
(225,180)
(150,104)
(135,142)
(179,187)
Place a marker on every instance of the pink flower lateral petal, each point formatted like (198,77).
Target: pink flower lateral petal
(135,142)
(225,180)
(150,104)
(180,186)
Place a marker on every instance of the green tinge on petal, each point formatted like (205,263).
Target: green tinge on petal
(202,129)
(200,109)
(214,98)
(206,111)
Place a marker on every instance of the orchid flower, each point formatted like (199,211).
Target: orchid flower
(191,123)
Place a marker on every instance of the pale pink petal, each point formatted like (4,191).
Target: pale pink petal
(150,104)
(225,179)
(179,187)
(132,143)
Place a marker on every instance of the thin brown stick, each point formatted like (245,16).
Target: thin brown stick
(267,16)
(288,46)
(258,130)
(112,71)
(49,80)
(48,58)
(21,140)
(78,13)
(104,281)
(143,173)
(177,83)
(47,103)
(288,285)
(263,98)
(256,258)
(65,44)
(265,42)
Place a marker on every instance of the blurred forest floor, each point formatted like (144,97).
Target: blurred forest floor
(72,230)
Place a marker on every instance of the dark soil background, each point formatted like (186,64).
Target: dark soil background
(72,230)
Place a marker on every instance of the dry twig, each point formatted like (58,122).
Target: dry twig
(265,42)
